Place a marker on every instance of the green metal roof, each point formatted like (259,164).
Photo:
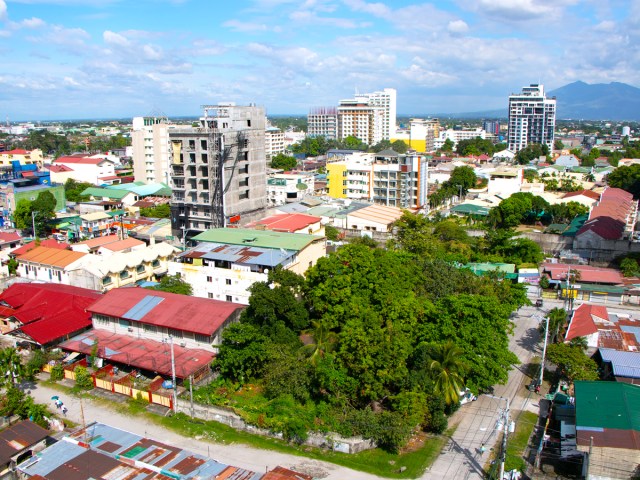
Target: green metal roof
(470,209)
(257,238)
(105,192)
(575,225)
(115,213)
(587,287)
(556,228)
(614,405)
(481,268)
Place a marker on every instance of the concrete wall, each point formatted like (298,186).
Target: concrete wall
(550,243)
(227,417)
(611,463)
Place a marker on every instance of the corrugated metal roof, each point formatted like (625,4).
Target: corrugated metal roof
(257,238)
(241,255)
(624,364)
(634,330)
(143,307)
(19,437)
(51,256)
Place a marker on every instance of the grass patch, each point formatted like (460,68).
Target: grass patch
(519,440)
(374,461)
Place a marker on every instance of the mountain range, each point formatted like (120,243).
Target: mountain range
(582,101)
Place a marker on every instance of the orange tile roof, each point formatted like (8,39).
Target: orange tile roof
(100,241)
(123,244)
(51,256)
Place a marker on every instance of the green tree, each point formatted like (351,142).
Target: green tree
(629,267)
(572,362)
(22,215)
(475,146)
(530,175)
(43,210)
(331,232)
(83,378)
(558,145)
(626,178)
(283,162)
(557,321)
(530,153)
(159,211)
(463,177)
(243,352)
(448,370)
(173,284)
(12,371)
(73,190)
(447,146)
(323,341)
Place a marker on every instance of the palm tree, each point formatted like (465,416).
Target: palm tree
(557,320)
(324,341)
(447,370)
(11,368)
(579,342)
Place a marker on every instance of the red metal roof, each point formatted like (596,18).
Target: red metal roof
(586,193)
(47,311)
(59,168)
(81,160)
(588,274)
(7,237)
(285,222)
(180,312)
(605,225)
(583,321)
(140,353)
(16,151)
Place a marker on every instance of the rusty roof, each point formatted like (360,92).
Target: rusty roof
(19,437)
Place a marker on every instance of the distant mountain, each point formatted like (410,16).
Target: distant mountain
(599,101)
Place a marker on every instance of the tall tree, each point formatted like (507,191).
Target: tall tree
(448,369)
(323,341)
(11,368)
(283,162)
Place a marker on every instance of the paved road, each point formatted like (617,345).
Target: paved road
(461,458)
(236,455)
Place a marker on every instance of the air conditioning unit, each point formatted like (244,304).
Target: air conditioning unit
(183,344)
(130,329)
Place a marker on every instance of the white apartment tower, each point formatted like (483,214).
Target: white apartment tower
(532,118)
(323,122)
(387,100)
(356,118)
(218,169)
(150,145)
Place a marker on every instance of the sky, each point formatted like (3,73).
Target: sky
(69,59)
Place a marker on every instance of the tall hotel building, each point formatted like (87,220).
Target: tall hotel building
(323,122)
(150,145)
(532,118)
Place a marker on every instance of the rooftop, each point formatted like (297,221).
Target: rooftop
(258,238)
(378,213)
(624,364)
(285,222)
(19,437)
(180,312)
(51,256)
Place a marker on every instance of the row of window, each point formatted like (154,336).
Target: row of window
(148,328)
(124,274)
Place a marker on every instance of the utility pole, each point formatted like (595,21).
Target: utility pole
(173,377)
(544,348)
(503,454)
(33,223)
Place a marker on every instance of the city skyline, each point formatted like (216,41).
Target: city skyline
(68,59)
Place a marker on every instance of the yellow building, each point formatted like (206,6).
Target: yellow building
(25,157)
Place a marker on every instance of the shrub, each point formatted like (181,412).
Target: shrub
(57,372)
(83,379)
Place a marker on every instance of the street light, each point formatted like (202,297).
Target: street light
(173,375)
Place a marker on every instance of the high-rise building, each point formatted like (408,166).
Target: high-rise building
(323,121)
(150,145)
(273,142)
(387,100)
(491,126)
(357,118)
(421,134)
(218,170)
(532,118)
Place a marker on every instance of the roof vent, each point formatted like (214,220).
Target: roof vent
(249,240)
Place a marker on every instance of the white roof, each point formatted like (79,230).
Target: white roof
(92,217)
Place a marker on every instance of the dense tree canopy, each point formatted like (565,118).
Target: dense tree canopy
(531,152)
(475,146)
(173,284)
(626,178)
(283,162)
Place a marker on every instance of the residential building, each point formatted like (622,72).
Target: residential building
(289,187)
(387,99)
(588,198)
(612,218)
(229,260)
(567,161)
(20,442)
(47,264)
(385,178)
(290,223)
(619,366)
(273,143)
(95,224)
(87,168)
(44,314)
(121,197)
(491,126)
(115,453)
(9,241)
(421,134)
(456,136)
(150,152)
(373,218)
(128,267)
(504,182)
(108,244)
(23,157)
(218,170)
(532,118)
(607,428)
(323,122)
(358,118)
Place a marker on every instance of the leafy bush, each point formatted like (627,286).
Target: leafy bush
(57,373)
(83,379)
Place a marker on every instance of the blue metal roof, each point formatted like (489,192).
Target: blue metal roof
(241,255)
(144,306)
(624,364)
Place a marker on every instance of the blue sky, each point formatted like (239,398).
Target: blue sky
(121,58)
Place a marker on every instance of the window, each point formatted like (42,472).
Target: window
(202,338)
(248,123)
(244,195)
(140,269)
(229,298)
(209,279)
(203,144)
(106,280)
(192,144)
(175,333)
(228,281)
(155,263)
(149,328)
(204,158)
(124,274)
(124,323)
(209,295)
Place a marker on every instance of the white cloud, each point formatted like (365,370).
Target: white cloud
(245,27)
(458,26)
(71,82)
(376,9)
(3,11)
(32,22)
(113,38)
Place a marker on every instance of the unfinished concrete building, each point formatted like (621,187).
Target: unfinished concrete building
(218,169)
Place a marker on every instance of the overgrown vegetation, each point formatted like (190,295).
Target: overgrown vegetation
(372,342)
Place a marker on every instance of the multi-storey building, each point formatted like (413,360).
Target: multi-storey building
(323,122)
(273,142)
(150,142)
(285,188)
(385,178)
(457,135)
(218,169)
(387,100)
(357,118)
(491,126)
(421,134)
(532,118)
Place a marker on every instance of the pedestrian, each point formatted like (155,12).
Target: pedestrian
(538,389)
(482,449)
(64,410)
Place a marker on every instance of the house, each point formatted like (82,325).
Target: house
(113,195)
(567,161)
(504,182)
(612,218)
(114,453)
(44,314)
(289,187)
(137,328)
(584,197)
(108,269)
(229,260)
(373,218)
(9,241)
(49,243)
(602,329)
(620,366)
(290,223)
(24,157)
(95,224)
(608,427)
(108,245)
(18,443)
(86,168)
(47,264)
